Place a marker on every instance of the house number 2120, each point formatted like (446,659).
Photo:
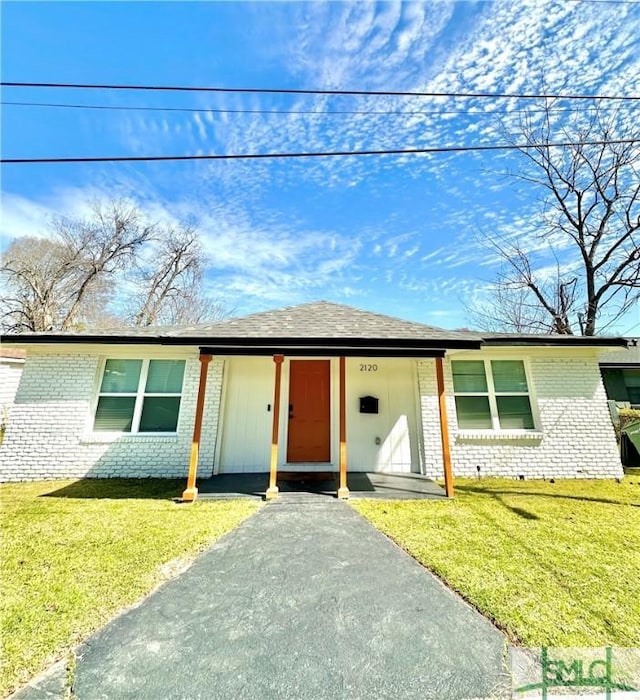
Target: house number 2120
(368,368)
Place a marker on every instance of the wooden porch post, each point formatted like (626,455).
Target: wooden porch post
(272,491)
(191,492)
(343,490)
(444,430)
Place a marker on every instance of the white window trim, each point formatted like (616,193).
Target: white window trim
(496,430)
(140,395)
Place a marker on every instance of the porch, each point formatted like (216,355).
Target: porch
(378,485)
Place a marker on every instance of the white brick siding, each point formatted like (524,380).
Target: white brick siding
(575,436)
(50,436)
(10,372)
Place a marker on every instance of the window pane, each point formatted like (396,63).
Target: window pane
(514,412)
(631,378)
(614,384)
(469,376)
(165,376)
(114,413)
(160,414)
(509,375)
(473,412)
(121,376)
(632,381)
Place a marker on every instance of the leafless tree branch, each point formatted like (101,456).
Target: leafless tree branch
(592,211)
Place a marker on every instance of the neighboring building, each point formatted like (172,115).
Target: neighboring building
(315,387)
(11,364)
(621,374)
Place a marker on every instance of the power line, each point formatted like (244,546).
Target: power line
(217,110)
(634,325)
(291,91)
(322,154)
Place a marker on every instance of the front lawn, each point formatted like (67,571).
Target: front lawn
(75,553)
(554,564)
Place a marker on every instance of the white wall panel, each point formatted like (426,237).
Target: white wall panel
(246,431)
(393,383)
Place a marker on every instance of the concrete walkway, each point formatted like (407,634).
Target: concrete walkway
(304,600)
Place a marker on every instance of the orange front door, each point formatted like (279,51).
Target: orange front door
(309,436)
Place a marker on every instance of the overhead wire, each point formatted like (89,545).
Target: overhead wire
(218,110)
(303,91)
(317,154)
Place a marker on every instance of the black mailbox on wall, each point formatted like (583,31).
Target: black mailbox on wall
(368,404)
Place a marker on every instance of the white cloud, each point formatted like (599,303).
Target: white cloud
(259,260)
(259,254)
(22,217)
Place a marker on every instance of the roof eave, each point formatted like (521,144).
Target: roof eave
(257,345)
(565,341)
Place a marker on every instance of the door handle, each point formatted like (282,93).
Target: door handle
(290,410)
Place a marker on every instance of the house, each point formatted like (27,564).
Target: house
(11,364)
(314,387)
(621,374)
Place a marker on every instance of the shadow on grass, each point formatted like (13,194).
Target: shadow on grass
(527,515)
(158,489)
(496,493)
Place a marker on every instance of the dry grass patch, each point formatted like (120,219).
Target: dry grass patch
(74,553)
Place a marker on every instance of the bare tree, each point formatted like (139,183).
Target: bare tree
(51,283)
(66,280)
(166,283)
(103,245)
(505,308)
(34,273)
(112,268)
(193,306)
(526,302)
(590,218)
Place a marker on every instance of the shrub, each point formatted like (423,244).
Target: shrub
(626,417)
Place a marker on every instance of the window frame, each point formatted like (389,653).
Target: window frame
(493,395)
(140,395)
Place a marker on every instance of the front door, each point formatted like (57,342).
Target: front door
(309,435)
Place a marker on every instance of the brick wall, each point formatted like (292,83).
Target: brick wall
(10,372)
(49,435)
(575,437)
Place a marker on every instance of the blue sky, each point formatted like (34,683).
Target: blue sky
(396,234)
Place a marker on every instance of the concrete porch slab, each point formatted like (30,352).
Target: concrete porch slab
(389,486)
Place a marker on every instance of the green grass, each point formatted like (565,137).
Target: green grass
(552,564)
(75,553)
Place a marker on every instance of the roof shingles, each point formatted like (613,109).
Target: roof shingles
(301,325)
(321,319)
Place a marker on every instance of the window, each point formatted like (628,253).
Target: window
(622,384)
(492,395)
(139,396)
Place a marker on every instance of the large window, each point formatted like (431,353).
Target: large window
(492,395)
(139,396)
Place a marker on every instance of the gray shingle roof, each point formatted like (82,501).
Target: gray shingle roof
(320,319)
(326,323)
